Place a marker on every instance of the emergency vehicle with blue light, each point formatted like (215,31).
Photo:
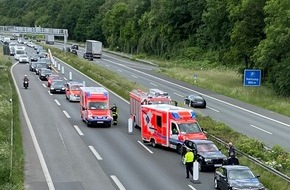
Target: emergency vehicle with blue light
(94,106)
(169,126)
(139,97)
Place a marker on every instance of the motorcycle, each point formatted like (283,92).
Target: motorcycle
(25,84)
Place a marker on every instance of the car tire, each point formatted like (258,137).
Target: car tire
(153,143)
(215,184)
(200,167)
(179,149)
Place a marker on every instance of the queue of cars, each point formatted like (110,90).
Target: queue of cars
(206,152)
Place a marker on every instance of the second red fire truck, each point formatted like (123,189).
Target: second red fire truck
(139,97)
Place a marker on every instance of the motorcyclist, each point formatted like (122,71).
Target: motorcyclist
(25,79)
(114,110)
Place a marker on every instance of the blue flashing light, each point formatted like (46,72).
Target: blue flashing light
(88,94)
(175,115)
(106,94)
(193,115)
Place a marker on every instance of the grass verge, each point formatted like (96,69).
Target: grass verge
(11,150)
(122,86)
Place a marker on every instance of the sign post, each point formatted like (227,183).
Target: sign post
(252,77)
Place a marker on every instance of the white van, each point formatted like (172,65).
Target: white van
(19,50)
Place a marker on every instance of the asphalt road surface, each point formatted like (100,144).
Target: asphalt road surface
(264,125)
(73,156)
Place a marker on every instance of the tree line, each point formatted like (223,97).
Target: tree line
(233,33)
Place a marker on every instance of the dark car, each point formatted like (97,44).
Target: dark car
(195,100)
(51,78)
(74,51)
(42,54)
(44,74)
(39,65)
(236,177)
(76,47)
(34,58)
(47,61)
(57,86)
(88,56)
(206,153)
(32,66)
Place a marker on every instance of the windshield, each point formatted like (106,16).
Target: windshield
(20,52)
(57,83)
(189,128)
(75,87)
(240,174)
(207,147)
(158,102)
(98,105)
(46,71)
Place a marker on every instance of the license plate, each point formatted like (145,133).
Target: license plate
(100,122)
(57,90)
(217,165)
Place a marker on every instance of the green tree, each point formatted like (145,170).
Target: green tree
(273,53)
(248,29)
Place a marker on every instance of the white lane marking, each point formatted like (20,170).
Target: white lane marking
(34,139)
(145,147)
(44,85)
(120,97)
(57,102)
(191,187)
(119,70)
(213,109)
(178,94)
(96,154)
(49,93)
(61,139)
(218,100)
(118,183)
(66,114)
(134,76)
(153,84)
(78,130)
(261,129)
(64,78)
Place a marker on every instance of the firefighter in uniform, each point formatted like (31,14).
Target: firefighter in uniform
(114,110)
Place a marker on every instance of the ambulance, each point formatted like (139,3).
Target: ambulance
(169,126)
(72,91)
(139,97)
(94,106)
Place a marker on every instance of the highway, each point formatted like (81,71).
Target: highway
(73,156)
(268,127)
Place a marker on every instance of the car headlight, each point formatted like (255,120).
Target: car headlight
(90,116)
(51,88)
(207,160)
(62,88)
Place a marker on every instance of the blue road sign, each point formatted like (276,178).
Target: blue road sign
(252,77)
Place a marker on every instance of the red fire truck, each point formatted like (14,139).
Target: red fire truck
(168,125)
(94,106)
(139,97)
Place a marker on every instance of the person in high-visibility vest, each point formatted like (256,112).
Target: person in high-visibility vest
(188,161)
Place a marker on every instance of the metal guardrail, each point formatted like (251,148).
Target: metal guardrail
(255,160)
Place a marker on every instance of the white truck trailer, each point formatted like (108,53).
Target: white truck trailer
(49,39)
(94,47)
